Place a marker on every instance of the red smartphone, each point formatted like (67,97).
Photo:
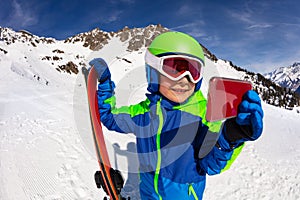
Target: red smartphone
(224,96)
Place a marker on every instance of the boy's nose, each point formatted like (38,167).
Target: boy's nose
(184,81)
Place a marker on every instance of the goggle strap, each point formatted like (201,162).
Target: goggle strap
(152,60)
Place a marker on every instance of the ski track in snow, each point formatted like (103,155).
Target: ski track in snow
(41,159)
(266,169)
(41,153)
(252,177)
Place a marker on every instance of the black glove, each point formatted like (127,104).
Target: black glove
(248,124)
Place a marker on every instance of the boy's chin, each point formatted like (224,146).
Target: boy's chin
(176,95)
(179,98)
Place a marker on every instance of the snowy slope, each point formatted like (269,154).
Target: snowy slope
(40,149)
(46,151)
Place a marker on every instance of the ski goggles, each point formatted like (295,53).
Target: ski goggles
(175,67)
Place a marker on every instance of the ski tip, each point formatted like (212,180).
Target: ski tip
(84,70)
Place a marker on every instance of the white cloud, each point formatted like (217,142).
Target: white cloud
(195,27)
(198,30)
(260,26)
(21,16)
(114,16)
(185,26)
(241,16)
(104,18)
(185,9)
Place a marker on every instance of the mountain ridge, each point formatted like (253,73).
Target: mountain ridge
(288,77)
(61,55)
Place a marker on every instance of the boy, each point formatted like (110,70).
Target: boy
(170,125)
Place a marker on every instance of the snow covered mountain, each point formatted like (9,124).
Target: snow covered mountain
(288,77)
(135,38)
(70,55)
(46,149)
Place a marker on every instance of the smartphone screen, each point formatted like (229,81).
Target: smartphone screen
(224,96)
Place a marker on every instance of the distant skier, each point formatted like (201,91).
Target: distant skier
(170,125)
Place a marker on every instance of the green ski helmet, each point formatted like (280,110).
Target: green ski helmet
(172,43)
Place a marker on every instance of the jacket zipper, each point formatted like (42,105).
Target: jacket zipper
(158,165)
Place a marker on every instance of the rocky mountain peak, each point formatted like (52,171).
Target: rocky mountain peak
(94,39)
(10,36)
(296,64)
(135,37)
(140,37)
(288,77)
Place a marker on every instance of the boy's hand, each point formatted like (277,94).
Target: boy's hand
(101,68)
(248,124)
(250,113)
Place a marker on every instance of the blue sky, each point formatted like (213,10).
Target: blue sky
(257,35)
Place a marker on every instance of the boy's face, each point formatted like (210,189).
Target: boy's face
(176,91)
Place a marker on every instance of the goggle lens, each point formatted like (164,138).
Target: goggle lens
(176,66)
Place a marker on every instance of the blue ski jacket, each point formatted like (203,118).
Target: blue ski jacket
(176,146)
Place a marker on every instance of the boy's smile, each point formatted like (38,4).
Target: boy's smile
(176,91)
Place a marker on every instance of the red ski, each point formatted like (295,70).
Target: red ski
(109,179)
